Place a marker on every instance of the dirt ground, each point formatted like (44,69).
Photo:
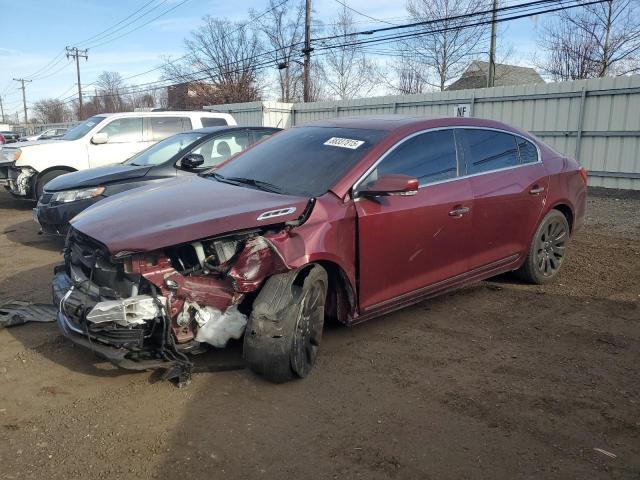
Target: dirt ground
(497,380)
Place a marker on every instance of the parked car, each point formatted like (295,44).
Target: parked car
(7,136)
(182,154)
(345,219)
(100,140)
(45,135)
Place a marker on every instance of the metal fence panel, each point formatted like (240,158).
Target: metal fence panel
(597,120)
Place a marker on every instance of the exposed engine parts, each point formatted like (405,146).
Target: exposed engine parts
(161,305)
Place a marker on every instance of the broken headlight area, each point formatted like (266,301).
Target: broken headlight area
(163,304)
(20,180)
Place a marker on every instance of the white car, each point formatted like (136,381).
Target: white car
(100,140)
(46,135)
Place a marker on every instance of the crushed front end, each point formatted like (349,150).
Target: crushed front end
(150,310)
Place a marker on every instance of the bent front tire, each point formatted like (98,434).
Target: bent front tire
(547,250)
(283,335)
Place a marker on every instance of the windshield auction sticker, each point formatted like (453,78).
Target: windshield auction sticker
(344,142)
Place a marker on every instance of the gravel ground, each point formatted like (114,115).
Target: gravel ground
(497,380)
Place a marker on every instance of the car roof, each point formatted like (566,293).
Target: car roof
(229,128)
(393,123)
(165,113)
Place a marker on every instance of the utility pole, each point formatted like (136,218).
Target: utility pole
(1,109)
(24,97)
(491,76)
(77,54)
(307,51)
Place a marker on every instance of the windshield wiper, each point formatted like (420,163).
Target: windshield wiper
(261,185)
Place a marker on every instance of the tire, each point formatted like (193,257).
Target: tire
(547,250)
(47,177)
(285,326)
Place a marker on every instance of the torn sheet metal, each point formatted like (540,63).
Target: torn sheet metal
(17,313)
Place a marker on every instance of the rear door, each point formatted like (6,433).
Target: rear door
(509,186)
(407,243)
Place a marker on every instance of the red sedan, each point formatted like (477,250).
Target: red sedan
(343,219)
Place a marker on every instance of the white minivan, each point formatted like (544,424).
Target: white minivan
(100,140)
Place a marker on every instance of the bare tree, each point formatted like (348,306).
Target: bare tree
(595,41)
(283,27)
(406,74)
(222,63)
(444,49)
(349,73)
(51,110)
(110,92)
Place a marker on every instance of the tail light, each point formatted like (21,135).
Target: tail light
(2,140)
(583,174)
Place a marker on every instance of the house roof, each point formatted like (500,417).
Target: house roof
(475,76)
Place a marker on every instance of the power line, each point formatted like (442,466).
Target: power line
(140,26)
(94,37)
(524,7)
(444,29)
(363,14)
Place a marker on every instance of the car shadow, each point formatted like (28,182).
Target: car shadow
(7,201)
(27,233)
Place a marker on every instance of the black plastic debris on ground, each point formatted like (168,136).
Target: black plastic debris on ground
(17,313)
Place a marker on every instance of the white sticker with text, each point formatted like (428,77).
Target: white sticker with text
(344,142)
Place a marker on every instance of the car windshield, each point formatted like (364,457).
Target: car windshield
(81,130)
(164,150)
(305,161)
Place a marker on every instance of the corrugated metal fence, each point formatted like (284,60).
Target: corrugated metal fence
(596,121)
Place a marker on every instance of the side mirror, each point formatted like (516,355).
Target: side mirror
(391,185)
(100,138)
(191,161)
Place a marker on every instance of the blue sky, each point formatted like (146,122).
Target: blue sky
(33,32)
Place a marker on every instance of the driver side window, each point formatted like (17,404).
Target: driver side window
(218,149)
(430,157)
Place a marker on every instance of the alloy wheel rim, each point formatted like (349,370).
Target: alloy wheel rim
(308,331)
(550,248)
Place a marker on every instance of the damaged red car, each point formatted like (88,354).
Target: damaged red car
(344,219)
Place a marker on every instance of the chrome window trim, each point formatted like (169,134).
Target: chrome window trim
(355,186)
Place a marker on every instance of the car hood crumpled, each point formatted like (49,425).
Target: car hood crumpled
(181,210)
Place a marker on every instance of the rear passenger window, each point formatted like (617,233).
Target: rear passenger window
(163,127)
(528,151)
(213,122)
(124,130)
(429,157)
(490,150)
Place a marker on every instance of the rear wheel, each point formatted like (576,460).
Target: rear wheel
(283,335)
(43,179)
(547,250)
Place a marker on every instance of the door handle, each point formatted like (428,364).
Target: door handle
(536,190)
(459,211)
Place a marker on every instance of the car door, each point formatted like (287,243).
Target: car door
(219,148)
(125,138)
(509,186)
(408,244)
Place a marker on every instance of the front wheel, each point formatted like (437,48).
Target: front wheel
(547,250)
(283,334)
